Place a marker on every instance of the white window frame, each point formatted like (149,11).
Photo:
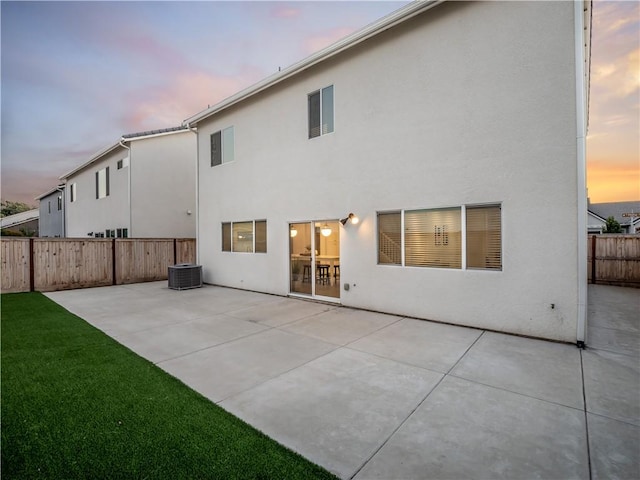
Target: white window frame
(463,229)
(333,111)
(253,226)
(73,192)
(225,156)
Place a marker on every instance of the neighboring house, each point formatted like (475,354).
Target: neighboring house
(51,219)
(627,214)
(23,223)
(441,126)
(142,186)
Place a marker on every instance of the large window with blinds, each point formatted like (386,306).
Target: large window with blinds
(320,112)
(245,237)
(435,237)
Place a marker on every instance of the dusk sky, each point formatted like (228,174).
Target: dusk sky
(78,75)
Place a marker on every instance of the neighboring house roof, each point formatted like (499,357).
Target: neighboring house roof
(149,133)
(401,15)
(49,192)
(128,137)
(19,218)
(616,210)
(385,23)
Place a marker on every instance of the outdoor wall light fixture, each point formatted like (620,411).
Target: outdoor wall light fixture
(354,219)
(325,230)
(293,232)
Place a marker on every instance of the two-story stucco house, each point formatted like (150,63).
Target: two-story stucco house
(141,186)
(453,131)
(51,217)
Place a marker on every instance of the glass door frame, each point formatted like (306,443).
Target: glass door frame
(313,224)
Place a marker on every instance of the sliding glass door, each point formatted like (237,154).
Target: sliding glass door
(314,266)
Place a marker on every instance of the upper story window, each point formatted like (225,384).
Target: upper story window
(73,192)
(59,202)
(321,112)
(222,147)
(123,163)
(102,183)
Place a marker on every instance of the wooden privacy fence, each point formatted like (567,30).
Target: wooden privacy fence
(47,264)
(614,260)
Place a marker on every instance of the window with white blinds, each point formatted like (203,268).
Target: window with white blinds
(320,112)
(390,238)
(433,238)
(484,237)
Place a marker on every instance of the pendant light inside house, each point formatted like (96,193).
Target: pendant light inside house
(293,232)
(325,230)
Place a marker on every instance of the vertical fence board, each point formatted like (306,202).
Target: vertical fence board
(63,264)
(185,250)
(67,263)
(615,260)
(143,260)
(15,265)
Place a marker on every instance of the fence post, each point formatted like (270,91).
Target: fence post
(113,261)
(175,252)
(32,270)
(593,259)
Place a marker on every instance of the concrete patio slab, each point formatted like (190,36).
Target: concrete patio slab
(338,409)
(612,385)
(421,343)
(537,368)
(224,370)
(341,325)
(345,387)
(172,341)
(614,448)
(281,312)
(613,340)
(468,430)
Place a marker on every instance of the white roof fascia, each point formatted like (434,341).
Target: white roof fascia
(401,15)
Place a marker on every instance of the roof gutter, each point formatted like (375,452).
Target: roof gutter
(385,23)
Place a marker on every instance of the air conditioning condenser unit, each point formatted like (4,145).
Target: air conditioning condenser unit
(184,276)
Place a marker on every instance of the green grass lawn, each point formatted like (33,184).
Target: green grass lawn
(76,404)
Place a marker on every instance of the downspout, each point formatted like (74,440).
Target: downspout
(122,140)
(195,132)
(581,127)
(64,211)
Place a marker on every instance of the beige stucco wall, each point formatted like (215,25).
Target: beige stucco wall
(163,183)
(468,103)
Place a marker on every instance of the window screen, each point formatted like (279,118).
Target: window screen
(216,149)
